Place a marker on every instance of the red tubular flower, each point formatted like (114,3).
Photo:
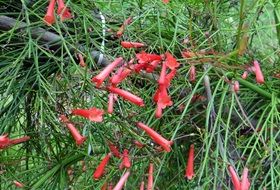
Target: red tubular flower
(49,17)
(144,57)
(171,62)
(127,96)
(120,75)
(122,28)
(116,78)
(81,59)
(101,167)
(126,44)
(138,67)
(61,6)
(125,160)
(150,177)
(165,1)
(192,75)
(114,149)
(75,134)
(258,72)
(236,86)
(156,96)
(122,181)
(163,99)
(18,184)
(19,140)
(234,178)
(161,80)
(120,31)
(63,11)
(151,67)
(138,144)
(190,165)
(142,186)
(156,137)
(98,79)
(93,114)
(245,183)
(4,141)
(111,103)
(169,77)
(64,119)
(244,75)
(158,113)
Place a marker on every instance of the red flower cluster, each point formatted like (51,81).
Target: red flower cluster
(121,74)
(62,10)
(161,96)
(147,62)
(5,141)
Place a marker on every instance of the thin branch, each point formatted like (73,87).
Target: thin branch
(53,40)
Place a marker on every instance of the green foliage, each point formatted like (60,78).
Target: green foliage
(39,81)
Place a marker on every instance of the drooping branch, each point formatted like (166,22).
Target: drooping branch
(53,40)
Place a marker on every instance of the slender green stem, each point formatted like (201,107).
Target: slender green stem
(255,88)
(240,25)
(276,14)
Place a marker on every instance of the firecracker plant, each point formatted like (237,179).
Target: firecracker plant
(139,94)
